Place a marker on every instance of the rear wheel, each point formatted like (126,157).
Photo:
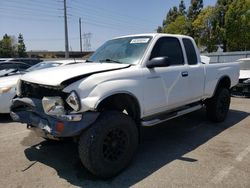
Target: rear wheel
(109,144)
(217,107)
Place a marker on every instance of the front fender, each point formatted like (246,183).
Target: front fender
(107,89)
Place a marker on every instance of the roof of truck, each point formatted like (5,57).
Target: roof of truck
(154,35)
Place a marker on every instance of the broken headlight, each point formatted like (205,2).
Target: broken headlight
(73,101)
(53,106)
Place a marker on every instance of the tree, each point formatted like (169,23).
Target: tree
(195,9)
(172,15)
(6,48)
(203,27)
(237,25)
(179,26)
(10,48)
(159,29)
(182,8)
(227,24)
(219,24)
(21,49)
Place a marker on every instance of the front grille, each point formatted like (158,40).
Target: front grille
(38,91)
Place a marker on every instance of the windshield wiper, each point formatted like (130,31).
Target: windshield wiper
(110,60)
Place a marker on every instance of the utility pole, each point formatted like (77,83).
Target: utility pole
(66,31)
(80,30)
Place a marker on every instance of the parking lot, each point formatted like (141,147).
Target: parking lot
(186,152)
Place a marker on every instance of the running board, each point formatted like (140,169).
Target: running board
(169,116)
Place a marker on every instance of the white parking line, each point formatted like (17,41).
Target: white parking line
(222,174)
(243,154)
(13,134)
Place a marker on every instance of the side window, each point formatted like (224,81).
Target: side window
(168,47)
(8,66)
(22,66)
(190,51)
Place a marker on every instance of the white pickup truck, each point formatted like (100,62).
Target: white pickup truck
(130,81)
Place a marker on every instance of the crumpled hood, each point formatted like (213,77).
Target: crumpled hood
(55,76)
(9,80)
(244,74)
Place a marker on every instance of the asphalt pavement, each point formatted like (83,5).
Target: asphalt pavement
(186,152)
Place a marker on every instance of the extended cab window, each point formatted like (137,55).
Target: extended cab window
(190,51)
(168,47)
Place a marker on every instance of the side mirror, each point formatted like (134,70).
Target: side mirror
(158,62)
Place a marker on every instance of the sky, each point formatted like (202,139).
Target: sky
(42,25)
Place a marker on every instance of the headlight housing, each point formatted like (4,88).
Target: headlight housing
(53,106)
(5,89)
(74,101)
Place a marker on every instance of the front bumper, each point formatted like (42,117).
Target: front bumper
(241,90)
(30,111)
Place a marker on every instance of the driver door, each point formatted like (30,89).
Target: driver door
(165,87)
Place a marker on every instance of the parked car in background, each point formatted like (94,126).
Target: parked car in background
(9,80)
(29,61)
(18,63)
(18,66)
(242,89)
(3,59)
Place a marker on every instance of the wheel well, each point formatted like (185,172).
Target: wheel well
(121,102)
(224,83)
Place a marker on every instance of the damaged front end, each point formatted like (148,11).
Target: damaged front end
(49,111)
(242,89)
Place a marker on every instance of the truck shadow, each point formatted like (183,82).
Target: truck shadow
(5,118)
(159,146)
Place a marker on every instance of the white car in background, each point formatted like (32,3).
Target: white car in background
(243,88)
(9,79)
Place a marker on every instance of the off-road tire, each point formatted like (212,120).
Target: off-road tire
(109,144)
(217,107)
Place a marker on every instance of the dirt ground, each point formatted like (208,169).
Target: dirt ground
(186,152)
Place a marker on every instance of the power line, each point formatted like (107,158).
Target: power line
(9,12)
(34,4)
(101,15)
(27,18)
(108,11)
(33,8)
(113,22)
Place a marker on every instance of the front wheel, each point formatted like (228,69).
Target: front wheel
(109,144)
(217,107)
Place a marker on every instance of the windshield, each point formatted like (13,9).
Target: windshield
(43,65)
(127,50)
(245,65)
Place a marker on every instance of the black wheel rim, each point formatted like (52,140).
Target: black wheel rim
(114,145)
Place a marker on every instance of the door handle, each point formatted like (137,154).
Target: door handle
(184,74)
